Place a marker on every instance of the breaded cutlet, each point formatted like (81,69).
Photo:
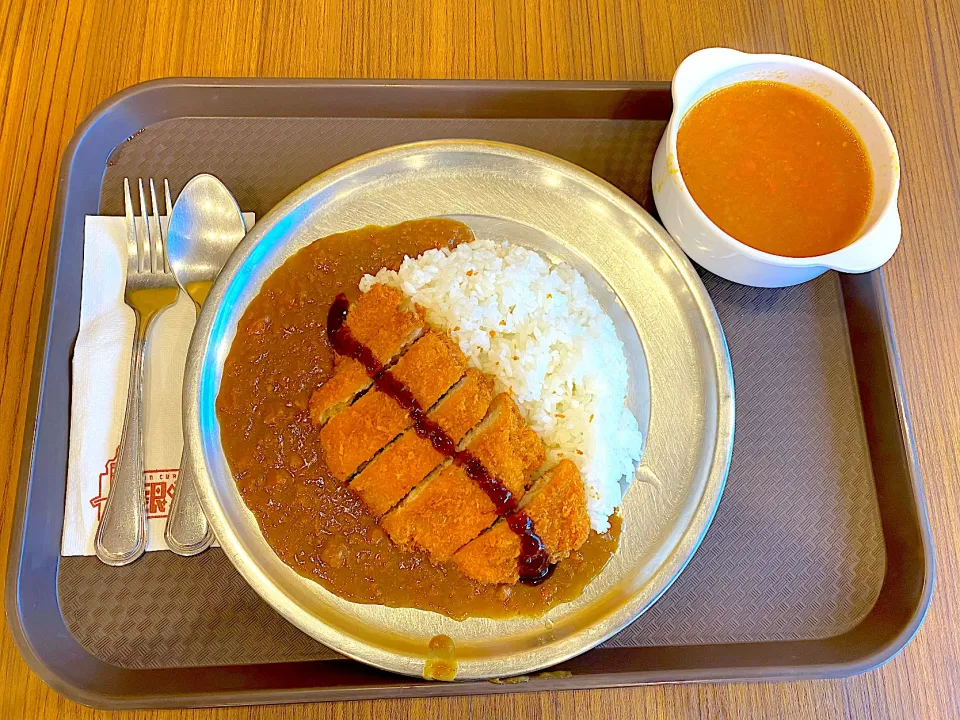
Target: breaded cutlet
(493,557)
(557,507)
(463,408)
(348,380)
(442,514)
(378,322)
(507,447)
(387,479)
(449,508)
(430,368)
(356,434)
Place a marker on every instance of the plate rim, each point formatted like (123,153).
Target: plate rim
(671,566)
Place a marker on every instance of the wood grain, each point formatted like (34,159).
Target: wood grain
(58,59)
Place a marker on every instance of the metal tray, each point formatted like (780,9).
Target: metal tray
(818,563)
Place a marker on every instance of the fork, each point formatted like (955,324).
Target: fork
(151,288)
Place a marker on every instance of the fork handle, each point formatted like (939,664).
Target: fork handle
(122,534)
(187,531)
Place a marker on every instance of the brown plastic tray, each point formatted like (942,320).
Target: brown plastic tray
(818,563)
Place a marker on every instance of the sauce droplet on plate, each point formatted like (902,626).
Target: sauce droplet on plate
(441,661)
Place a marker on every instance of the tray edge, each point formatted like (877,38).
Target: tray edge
(12,601)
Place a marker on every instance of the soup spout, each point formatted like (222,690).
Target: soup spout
(700,67)
(872,250)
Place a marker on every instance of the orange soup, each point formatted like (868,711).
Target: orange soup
(777,168)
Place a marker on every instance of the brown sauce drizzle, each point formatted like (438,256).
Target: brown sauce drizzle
(534,562)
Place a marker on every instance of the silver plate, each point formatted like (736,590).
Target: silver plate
(681,389)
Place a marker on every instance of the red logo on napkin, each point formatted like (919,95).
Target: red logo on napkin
(158,488)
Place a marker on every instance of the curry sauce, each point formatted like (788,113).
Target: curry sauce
(315,522)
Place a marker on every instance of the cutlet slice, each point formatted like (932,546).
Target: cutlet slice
(507,447)
(376,321)
(442,514)
(349,380)
(557,506)
(387,479)
(492,558)
(353,436)
(430,368)
(449,508)
(465,405)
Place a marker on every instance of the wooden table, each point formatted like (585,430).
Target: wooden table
(58,59)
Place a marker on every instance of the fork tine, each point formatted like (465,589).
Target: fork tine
(166,194)
(133,238)
(166,197)
(157,248)
(147,256)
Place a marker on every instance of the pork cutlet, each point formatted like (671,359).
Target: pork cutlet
(443,463)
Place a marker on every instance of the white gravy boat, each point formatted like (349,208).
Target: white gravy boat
(707,70)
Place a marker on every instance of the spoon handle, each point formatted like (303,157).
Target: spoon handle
(187,531)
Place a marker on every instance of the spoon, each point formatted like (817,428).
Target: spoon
(205,226)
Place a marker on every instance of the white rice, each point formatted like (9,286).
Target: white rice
(537,329)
